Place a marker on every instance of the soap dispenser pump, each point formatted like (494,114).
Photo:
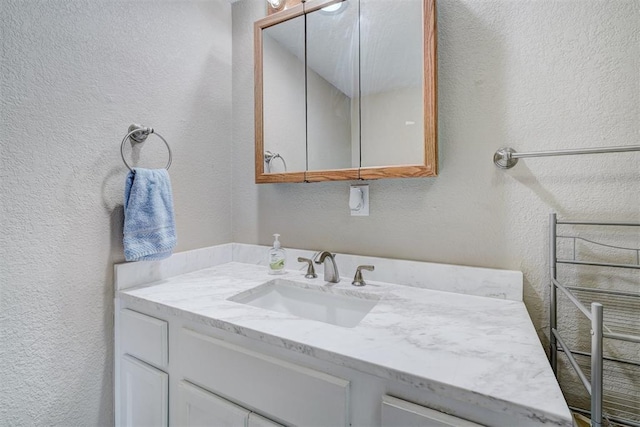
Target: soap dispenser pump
(277,257)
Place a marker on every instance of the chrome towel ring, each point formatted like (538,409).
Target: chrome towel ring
(138,134)
(269,156)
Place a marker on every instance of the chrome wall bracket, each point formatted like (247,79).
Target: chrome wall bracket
(139,133)
(268,155)
(502,158)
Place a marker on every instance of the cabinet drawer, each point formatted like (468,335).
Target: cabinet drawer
(144,337)
(397,412)
(293,393)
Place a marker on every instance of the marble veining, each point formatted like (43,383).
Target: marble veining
(477,350)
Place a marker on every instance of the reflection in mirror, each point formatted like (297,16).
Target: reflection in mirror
(284,96)
(391,80)
(333,140)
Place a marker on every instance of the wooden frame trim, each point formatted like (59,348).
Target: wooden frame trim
(279,17)
(267,178)
(430,86)
(332,175)
(403,171)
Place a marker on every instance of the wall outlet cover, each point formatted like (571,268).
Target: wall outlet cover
(364,208)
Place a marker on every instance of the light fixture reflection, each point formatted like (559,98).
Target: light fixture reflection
(334,8)
(275,4)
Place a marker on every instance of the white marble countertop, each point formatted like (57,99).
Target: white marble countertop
(478,350)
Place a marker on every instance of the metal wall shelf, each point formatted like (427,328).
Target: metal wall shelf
(620,327)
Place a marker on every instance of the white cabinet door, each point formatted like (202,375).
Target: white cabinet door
(397,412)
(256,420)
(199,408)
(144,395)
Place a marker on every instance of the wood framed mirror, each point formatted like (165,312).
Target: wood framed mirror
(345,90)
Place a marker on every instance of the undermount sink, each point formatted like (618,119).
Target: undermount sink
(321,303)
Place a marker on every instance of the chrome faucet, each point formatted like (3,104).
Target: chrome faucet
(330,268)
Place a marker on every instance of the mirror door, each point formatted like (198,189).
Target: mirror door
(280,114)
(333,129)
(391,82)
(398,89)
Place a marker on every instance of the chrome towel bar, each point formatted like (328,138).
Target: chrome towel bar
(506,158)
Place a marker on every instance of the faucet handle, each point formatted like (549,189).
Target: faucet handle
(358,280)
(311,273)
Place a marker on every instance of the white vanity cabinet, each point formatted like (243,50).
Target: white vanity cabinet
(142,395)
(468,355)
(176,372)
(211,382)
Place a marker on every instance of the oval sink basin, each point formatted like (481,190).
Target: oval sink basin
(320,303)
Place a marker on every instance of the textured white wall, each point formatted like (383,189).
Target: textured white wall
(75,74)
(529,74)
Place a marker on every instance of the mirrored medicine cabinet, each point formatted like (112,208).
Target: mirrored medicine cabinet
(344,90)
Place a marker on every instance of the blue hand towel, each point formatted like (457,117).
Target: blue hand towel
(149,223)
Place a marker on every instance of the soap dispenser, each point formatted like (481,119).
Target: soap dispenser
(277,257)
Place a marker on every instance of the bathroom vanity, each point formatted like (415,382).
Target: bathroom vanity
(207,337)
